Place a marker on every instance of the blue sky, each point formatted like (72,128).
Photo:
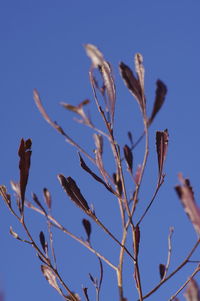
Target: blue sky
(42,47)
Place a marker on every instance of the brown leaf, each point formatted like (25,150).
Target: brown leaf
(161,92)
(136,240)
(47,197)
(186,196)
(79,110)
(192,292)
(132,84)
(97,178)
(24,153)
(50,277)
(162,146)
(162,270)
(72,190)
(99,62)
(128,157)
(87,227)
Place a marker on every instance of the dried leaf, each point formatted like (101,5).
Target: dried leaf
(161,92)
(94,281)
(87,227)
(16,188)
(36,200)
(14,234)
(186,196)
(162,146)
(85,289)
(72,190)
(79,110)
(192,293)
(128,157)
(136,240)
(43,242)
(139,68)
(99,62)
(162,270)
(118,183)
(97,178)
(50,277)
(98,139)
(47,197)
(132,84)
(138,174)
(130,138)
(5,195)
(24,153)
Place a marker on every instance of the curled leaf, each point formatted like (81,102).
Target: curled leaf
(73,191)
(36,200)
(133,83)
(161,92)
(50,277)
(99,62)
(186,196)
(162,146)
(24,153)
(128,157)
(87,227)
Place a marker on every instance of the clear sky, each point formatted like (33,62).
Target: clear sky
(42,47)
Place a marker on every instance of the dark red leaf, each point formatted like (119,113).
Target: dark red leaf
(42,241)
(186,196)
(97,178)
(136,240)
(162,146)
(132,84)
(87,227)
(36,200)
(162,270)
(128,157)
(72,190)
(161,92)
(24,165)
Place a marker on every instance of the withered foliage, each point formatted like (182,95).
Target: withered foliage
(127,196)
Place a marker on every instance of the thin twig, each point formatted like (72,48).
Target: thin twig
(171,231)
(56,224)
(185,283)
(185,261)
